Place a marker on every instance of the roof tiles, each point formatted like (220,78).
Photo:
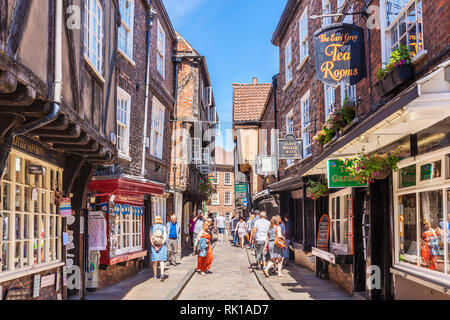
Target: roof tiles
(249,100)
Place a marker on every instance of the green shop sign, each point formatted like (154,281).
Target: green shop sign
(339,177)
(240,187)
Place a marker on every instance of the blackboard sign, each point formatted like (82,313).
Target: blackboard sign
(323,234)
(290,148)
(18,294)
(35,169)
(339,54)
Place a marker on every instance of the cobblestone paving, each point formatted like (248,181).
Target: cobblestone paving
(231,278)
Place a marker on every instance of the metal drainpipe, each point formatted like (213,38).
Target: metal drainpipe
(149,22)
(275,111)
(175,134)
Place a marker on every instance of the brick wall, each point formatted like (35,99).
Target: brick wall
(118,272)
(221,189)
(341,276)
(27,282)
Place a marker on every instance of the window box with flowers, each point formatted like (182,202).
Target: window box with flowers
(398,71)
(338,121)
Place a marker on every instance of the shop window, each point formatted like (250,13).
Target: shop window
(407,176)
(407,228)
(30,232)
(403,25)
(338,215)
(432,233)
(430,171)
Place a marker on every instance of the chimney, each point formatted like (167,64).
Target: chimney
(255,80)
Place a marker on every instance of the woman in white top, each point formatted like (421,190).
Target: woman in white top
(241,230)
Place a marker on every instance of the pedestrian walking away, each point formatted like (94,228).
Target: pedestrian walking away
(241,230)
(198,220)
(233,223)
(289,235)
(158,238)
(260,229)
(220,224)
(274,237)
(174,230)
(249,229)
(191,232)
(204,250)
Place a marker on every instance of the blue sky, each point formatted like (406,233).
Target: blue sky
(234,36)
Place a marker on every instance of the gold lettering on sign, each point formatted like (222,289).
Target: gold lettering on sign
(25,145)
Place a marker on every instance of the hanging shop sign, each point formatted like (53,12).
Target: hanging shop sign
(266,165)
(65,207)
(240,187)
(290,148)
(339,177)
(323,234)
(339,54)
(350,232)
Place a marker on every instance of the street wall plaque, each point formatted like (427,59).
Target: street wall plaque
(339,177)
(339,54)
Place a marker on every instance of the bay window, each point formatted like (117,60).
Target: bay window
(422,214)
(30,225)
(129,233)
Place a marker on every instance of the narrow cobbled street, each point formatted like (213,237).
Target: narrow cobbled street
(231,278)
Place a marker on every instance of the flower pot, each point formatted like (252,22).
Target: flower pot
(351,124)
(393,79)
(383,174)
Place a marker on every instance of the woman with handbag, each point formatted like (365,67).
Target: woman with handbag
(276,245)
(158,237)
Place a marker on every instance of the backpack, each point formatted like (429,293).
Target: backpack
(203,247)
(157,237)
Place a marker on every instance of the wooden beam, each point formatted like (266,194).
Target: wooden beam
(18,24)
(8,82)
(81,140)
(73,131)
(23,96)
(3,23)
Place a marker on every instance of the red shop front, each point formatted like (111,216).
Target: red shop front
(121,201)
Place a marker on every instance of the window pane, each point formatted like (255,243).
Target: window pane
(4,248)
(4,220)
(407,221)
(430,170)
(6,190)
(432,233)
(18,170)
(407,176)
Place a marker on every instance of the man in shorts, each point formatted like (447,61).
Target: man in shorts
(260,229)
(220,224)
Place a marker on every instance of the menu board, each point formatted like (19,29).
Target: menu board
(323,233)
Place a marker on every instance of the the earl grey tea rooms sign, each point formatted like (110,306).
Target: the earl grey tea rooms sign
(339,54)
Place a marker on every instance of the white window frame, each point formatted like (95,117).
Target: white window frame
(227,179)
(288,62)
(93,42)
(290,129)
(157,129)
(123,121)
(216,179)
(159,209)
(196,151)
(303,37)
(350,91)
(326,9)
(49,239)
(330,99)
(339,247)
(215,199)
(161,50)
(437,184)
(386,41)
(130,233)
(305,106)
(126,29)
(229,200)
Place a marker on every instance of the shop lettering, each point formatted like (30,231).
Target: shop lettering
(327,69)
(335,38)
(337,178)
(31,148)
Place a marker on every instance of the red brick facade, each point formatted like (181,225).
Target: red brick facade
(221,188)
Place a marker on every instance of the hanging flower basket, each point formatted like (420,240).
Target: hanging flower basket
(383,174)
(318,189)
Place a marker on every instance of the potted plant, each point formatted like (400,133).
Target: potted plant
(348,111)
(368,167)
(317,189)
(397,71)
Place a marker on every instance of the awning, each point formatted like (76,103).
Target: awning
(126,189)
(261,195)
(422,105)
(287,184)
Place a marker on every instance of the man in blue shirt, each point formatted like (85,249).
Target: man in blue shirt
(174,231)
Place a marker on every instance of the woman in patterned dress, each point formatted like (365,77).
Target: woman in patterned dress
(159,253)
